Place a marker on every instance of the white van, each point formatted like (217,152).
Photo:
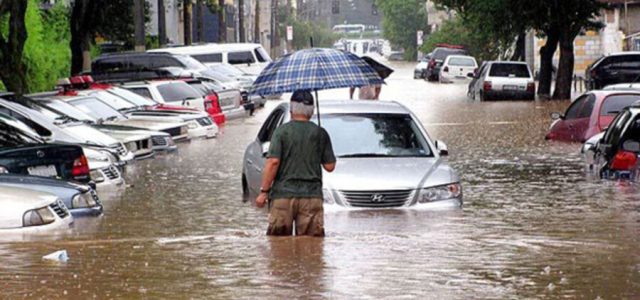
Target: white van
(251,58)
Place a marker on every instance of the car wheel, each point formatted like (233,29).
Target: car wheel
(481,96)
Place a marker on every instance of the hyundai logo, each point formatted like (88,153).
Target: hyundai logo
(40,153)
(377,198)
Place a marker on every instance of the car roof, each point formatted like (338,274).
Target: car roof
(623,53)
(360,106)
(606,93)
(208,48)
(507,62)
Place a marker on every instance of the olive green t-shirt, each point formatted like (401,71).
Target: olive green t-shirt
(302,148)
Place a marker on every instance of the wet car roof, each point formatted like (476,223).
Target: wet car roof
(360,106)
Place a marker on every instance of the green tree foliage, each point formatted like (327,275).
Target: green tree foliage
(455,32)
(13,35)
(46,52)
(400,22)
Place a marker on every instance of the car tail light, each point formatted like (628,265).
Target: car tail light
(624,161)
(531,87)
(80,168)
(446,69)
(486,86)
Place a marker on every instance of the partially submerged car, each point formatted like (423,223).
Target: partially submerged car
(81,200)
(507,80)
(589,115)
(28,211)
(385,157)
(614,153)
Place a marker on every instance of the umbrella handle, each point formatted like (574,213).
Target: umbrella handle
(317,107)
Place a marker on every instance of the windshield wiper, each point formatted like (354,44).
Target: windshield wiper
(112,118)
(63,119)
(365,155)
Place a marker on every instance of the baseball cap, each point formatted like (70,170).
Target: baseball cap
(302,96)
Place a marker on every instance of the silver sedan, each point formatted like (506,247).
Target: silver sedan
(385,157)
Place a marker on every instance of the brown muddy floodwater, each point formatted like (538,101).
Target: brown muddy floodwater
(532,226)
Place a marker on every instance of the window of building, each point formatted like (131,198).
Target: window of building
(335,7)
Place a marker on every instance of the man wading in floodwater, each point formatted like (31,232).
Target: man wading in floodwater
(292,176)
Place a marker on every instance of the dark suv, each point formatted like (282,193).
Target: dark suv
(621,67)
(438,56)
(129,65)
(615,155)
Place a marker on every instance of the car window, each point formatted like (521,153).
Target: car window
(633,132)
(441,54)
(142,91)
(394,135)
(227,70)
(242,57)
(622,62)
(613,105)
(509,70)
(112,100)
(200,87)
(209,58)
(10,137)
(612,135)
(587,108)
(95,108)
(177,92)
(140,62)
(575,108)
(270,126)
(259,56)
(33,125)
(165,62)
(132,97)
(108,65)
(462,62)
(263,54)
(67,109)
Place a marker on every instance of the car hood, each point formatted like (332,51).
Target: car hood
(366,174)
(16,201)
(151,122)
(91,135)
(26,180)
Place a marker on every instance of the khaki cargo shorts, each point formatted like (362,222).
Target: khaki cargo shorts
(307,213)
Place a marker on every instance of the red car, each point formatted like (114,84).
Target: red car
(589,115)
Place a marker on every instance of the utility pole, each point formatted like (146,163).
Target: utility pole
(256,25)
(162,24)
(138,19)
(275,36)
(187,17)
(243,36)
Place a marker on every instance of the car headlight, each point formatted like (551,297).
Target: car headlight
(3,170)
(439,193)
(83,200)
(131,146)
(192,125)
(37,217)
(327,197)
(96,176)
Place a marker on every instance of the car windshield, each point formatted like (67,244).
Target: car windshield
(200,87)
(131,97)
(462,62)
(375,135)
(441,54)
(112,100)
(509,70)
(177,91)
(216,75)
(616,103)
(190,63)
(67,109)
(227,70)
(11,137)
(96,108)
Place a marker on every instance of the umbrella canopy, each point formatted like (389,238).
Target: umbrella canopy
(383,70)
(315,69)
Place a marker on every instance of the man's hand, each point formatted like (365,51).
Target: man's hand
(262,200)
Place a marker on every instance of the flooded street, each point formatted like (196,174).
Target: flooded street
(532,225)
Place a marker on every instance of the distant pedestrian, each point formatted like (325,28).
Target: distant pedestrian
(369,92)
(292,176)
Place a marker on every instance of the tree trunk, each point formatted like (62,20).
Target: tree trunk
(275,32)
(12,69)
(200,21)
(256,25)
(545,76)
(85,17)
(519,52)
(162,24)
(222,24)
(138,20)
(242,35)
(187,17)
(565,66)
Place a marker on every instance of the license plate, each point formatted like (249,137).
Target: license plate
(510,87)
(45,171)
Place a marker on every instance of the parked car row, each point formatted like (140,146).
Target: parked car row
(60,150)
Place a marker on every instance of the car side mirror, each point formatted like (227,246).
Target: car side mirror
(631,146)
(588,148)
(265,148)
(442,148)
(471,75)
(556,116)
